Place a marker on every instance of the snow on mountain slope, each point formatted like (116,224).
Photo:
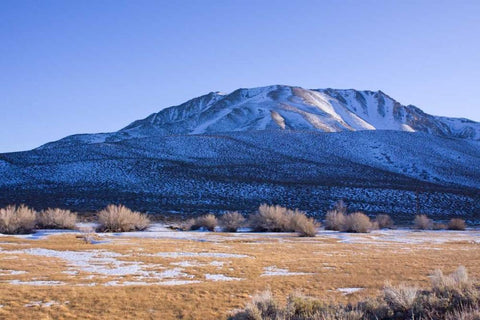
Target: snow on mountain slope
(287,108)
(278,144)
(295,108)
(376,171)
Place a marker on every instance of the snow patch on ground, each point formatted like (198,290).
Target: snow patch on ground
(37,283)
(218,255)
(11,272)
(44,304)
(274,271)
(220,277)
(346,291)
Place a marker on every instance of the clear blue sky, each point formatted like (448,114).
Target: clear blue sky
(95,66)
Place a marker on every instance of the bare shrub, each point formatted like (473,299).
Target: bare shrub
(231,221)
(384,221)
(280,219)
(400,298)
(456,224)
(340,206)
(358,222)
(121,219)
(56,219)
(303,225)
(208,221)
(439,226)
(187,224)
(16,220)
(87,234)
(270,219)
(335,220)
(464,314)
(262,307)
(458,279)
(451,297)
(457,288)
(422,222)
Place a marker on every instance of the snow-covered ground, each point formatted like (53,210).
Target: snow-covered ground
(105,267)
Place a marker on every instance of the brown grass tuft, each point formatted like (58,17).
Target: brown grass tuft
(121,219)
(15,220)
(56,219)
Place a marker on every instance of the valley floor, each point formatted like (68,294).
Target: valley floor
(164,274)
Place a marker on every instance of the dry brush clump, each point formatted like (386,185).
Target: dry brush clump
(56,219)
(270,219)
(208,222)
(384,221)
(280,219)
(303,225)
(358,222)
(335,220)
(450,297)
(17,220)
(422,222)
(231,221)
(121,219)
(354,222)
(456,224)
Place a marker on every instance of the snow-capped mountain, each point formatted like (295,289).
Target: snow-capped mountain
(290,108)
(279,144)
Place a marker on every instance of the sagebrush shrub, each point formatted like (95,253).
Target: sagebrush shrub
(262,307)
(16,220)
(422,222)
(270,219)
(303,225)
(340,206)
(335,220)
(456,224)
(439,226)
(187,224)
(384,221)
(121,219)
(208,221)
(400,298)
(231,221)
(56,219)
(358,222)
(280,219)
(453,297)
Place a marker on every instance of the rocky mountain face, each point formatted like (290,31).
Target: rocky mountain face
(279,144)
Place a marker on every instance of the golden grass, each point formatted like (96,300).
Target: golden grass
(333,265)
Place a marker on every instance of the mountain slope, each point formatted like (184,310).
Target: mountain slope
(288,108)
(285,145)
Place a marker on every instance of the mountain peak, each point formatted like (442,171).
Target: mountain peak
(283,107)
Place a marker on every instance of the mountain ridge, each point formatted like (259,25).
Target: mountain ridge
(281,107)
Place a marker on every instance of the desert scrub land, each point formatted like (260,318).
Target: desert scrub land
(165,274)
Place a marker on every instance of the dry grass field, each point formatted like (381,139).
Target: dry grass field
(205,275)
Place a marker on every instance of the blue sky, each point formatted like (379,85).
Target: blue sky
(90,66)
